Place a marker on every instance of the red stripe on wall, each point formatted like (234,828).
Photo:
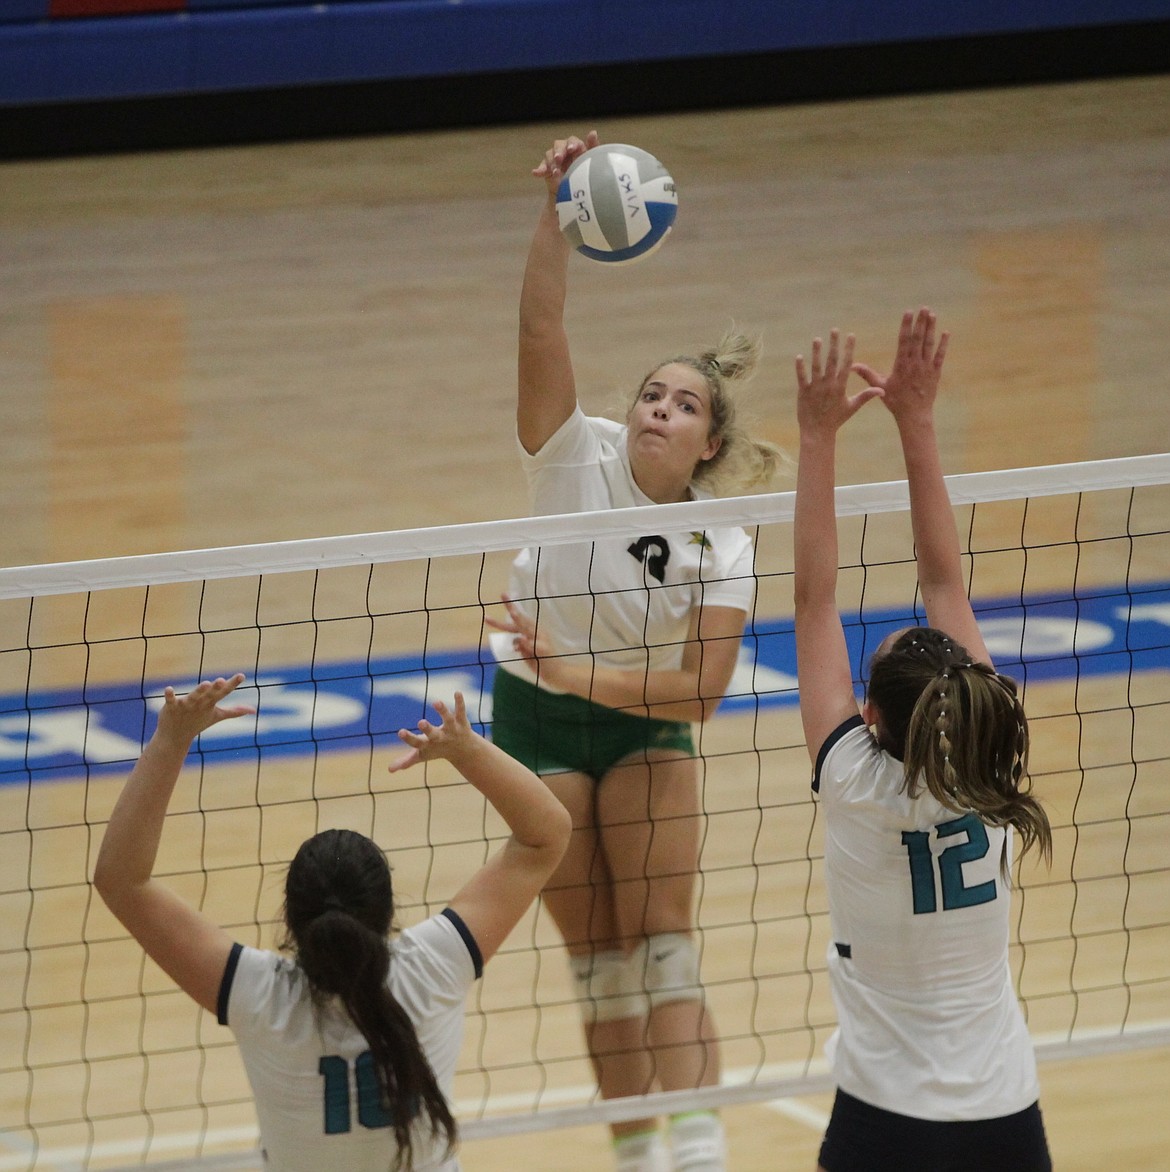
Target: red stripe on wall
(112,7)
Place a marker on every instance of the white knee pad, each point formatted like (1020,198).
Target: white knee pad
(610,985)
(672,969)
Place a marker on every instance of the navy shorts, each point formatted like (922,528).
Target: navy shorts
(861,1138)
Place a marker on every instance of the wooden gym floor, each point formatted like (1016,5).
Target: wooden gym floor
(223,347)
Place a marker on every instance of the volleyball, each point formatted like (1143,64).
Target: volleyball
(616,203)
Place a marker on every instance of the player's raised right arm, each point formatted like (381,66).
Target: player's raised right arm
(547,392)
(183,942)
(910,392)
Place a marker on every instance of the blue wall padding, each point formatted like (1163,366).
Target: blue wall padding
(219,45)
(295,42)
(205,4)
(16,10)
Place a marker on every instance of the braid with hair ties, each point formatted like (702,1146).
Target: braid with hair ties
(338,912)
(959,729)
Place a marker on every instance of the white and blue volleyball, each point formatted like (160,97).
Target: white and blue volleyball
(616,203)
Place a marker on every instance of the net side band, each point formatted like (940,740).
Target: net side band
(495,536)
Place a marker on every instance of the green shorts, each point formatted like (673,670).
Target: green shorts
(557,733)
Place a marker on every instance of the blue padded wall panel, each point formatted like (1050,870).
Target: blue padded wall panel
(264,47)
(13,10)
(222,47)
(420,39)
(38,63)
(202,5)
(87,61)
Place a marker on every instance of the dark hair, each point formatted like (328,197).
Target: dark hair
(339,908)
(958,727)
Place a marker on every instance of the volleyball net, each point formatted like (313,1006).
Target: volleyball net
(346,640)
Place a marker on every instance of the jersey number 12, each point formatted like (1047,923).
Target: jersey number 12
(955,893)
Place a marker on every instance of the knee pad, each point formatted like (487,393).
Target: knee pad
(672,969)
(611,983)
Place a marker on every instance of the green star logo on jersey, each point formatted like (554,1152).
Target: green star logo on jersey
(698,538)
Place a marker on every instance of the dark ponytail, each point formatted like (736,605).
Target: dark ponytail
(959,729)
(338,909)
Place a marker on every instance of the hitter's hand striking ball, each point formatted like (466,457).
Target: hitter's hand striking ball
(616,203)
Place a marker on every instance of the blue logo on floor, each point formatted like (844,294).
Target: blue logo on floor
(347,706)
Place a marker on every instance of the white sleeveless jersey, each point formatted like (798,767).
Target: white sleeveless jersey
(928,1020)
(629,601)
(311,1073)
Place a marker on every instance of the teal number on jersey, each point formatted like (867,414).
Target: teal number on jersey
(917,844)
(955,893)
(371,1112)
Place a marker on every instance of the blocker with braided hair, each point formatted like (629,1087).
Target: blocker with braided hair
(958,728)
(921,787)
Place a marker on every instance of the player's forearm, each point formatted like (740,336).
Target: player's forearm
(545,287)
(533,814)
(664,695)
(546,393)
(130,845)
(814,536)
(932,518)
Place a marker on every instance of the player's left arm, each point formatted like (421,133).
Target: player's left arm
(191,949)
(692,692)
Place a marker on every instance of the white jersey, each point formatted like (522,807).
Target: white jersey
(316,1093)
(928,1020)
(630,602)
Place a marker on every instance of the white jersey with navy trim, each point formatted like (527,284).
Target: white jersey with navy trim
(629,602)
(312,1078)
(928,1020)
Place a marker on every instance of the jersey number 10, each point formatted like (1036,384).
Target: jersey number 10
(371,1113)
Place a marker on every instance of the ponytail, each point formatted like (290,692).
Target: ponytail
(968,742)
(338,907)
(966,736)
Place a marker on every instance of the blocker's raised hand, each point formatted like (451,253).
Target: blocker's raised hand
(822,399)
(445,739)
(185,717)
(912,383)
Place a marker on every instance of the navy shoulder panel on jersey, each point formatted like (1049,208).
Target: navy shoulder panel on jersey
(468,939)
(833,737)
(225,985)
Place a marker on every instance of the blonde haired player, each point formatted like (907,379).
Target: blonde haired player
(350,1043)
(610,651)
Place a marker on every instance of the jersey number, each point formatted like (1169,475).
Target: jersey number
(955,893)
(371,1113)
(653,553)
